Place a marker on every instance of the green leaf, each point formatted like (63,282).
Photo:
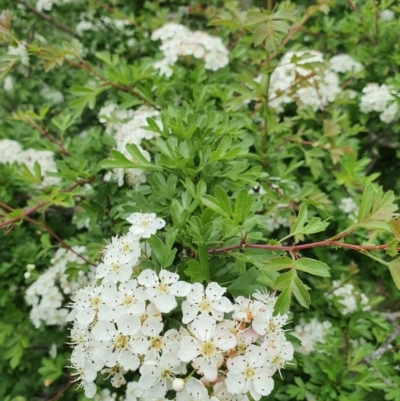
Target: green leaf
(394,268)
(195,272)
(283,302)
(300,292)
(212,204)
(278,263)
(245,284)
(243,205)
(284,280)
(300,221)
(223,200)
(312,266)
(164,254)
(376,209)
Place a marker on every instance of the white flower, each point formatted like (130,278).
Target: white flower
(386,15)
(265,323)
(156,376)
(310,334)
(205,302)
(205,349)
(279,355)
(115,344)
(133,392)
(8,84)
(245,309)
(194,391)
(145,224)
(163,290)
(221,392)
(250,373)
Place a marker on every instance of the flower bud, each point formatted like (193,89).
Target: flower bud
(178,384)
(30,267)
(27,275)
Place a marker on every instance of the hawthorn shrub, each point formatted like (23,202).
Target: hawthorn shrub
(198,200)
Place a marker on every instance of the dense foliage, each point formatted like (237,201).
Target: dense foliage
(170,170)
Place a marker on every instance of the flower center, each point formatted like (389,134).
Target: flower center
(156,343)
(121,342)
(145,223)
(241,348)
(95,301)
(272,326)
(208,348)
(115,267)
(128,300)
(205,305)
(162,288)
(277,361)
(125,248)
(165,374)
(249,373)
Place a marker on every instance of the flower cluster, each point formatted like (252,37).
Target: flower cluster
(90,22)
(121,325)
(11,151)
(348,298)
(305,78)
(47,5)
(131,132)
(177,40)
(19,51)
(310,333)
(47,294)
(380,99)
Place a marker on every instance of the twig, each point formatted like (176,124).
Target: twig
(47,135)
(49,19)
(87,67)
(33,209)
(58,393)
(291,248)
(386,345)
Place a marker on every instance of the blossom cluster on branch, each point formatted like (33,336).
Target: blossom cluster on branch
(121,325)
(177,40)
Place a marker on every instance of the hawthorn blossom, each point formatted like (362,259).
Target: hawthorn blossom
(250,373)
(156,376)
(145,224)
(205,302)
(162,290)
(205,349)
(115,343)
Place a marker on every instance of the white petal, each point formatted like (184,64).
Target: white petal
(180,289)
(85,316)
(203,327)
(209,370)
(90,389)
(263,385)
(165,303)
(103,331)
(148,278)
(235,382)
(129,361)
(189,349)
(168,277)
(152,327)
(128,324)
(189,312)
(147,381)
(223,305)
(214,291)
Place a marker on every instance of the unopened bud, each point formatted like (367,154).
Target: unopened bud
(178,385)
(30,267)
(27,275)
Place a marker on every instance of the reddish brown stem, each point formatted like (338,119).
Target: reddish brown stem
(33,209)
(47,135)
(87,67)
(291,248)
